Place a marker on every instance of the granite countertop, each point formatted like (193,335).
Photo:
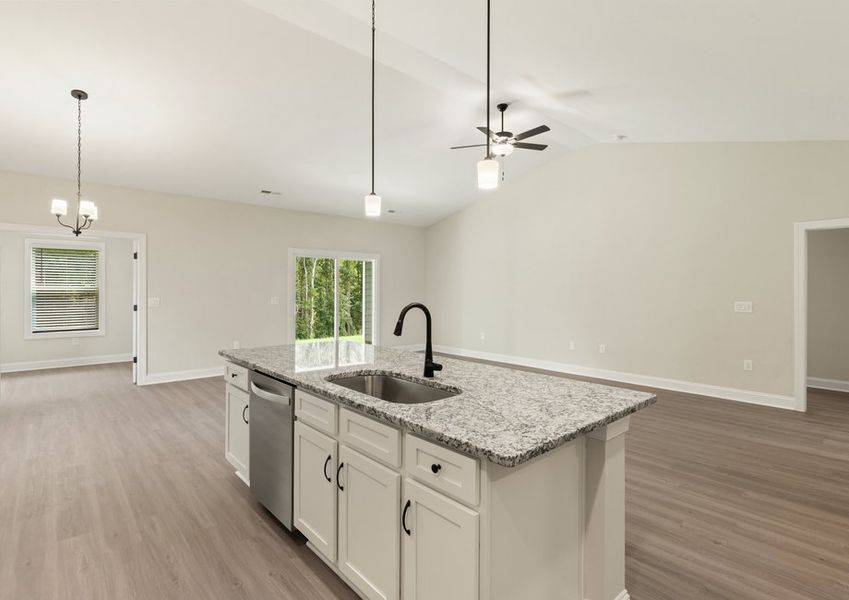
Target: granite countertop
(504,415)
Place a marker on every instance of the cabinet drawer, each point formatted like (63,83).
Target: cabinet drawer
(315,411)
(373,438)
(443,469)
(236,375)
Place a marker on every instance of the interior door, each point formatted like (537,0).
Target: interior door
(369,513)
(440,546)
(315,488)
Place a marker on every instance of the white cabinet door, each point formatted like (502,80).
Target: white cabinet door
(440,547)
(315,488)
(369,514)
(237,431)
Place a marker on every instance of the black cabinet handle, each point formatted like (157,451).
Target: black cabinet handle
(436,468)
(404,518)
(339,485)
(234,375)
(326,476)
(244,418)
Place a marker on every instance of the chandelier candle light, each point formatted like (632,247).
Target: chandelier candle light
(86,210)
(488,168)
(372,201)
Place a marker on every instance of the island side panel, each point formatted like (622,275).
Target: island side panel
(604,521)
(532,527)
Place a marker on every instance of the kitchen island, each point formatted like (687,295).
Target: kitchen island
(512,487)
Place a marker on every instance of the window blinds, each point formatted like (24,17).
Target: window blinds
(65,289)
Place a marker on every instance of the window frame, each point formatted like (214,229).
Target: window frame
(336,255)
(29,244)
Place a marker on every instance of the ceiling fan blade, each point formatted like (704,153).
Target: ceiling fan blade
(471,146)
(488,132)
(532,132)
(527,146)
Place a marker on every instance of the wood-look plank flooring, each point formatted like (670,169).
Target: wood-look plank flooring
(109,491)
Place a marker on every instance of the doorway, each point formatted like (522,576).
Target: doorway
(71,301)
(803,233)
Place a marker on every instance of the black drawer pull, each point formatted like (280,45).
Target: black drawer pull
(244,418)
(326,476)
(338,484)
(404,518)
(436,468)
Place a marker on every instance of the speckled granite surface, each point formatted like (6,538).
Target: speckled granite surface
(504,415)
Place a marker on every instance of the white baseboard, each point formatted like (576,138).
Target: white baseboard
(832,385)
(60,363)
(675,385)
(154,378)
(623,595)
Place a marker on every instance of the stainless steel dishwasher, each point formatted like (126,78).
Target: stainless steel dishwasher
(272,433)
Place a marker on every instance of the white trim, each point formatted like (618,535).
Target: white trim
(60,363)
(29,244)
(800,304)
(832,385)
(675,385)
(623,595)
(154,378)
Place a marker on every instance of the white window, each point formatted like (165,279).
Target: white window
(65,283)
(333,296)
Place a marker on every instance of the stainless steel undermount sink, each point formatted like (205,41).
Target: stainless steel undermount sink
(393,389)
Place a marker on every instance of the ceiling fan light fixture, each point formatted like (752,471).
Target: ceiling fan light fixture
(488,171)
(372,205)
(502,149)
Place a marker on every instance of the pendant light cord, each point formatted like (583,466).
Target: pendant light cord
(373,35)
(488,155)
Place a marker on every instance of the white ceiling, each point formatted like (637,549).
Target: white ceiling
(221,98)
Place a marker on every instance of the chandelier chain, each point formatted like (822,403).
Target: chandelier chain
(79,148)
(373,35)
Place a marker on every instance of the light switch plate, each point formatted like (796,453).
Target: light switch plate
(153,301)
(743,306)
(747,365)
(275,300)
(602,348)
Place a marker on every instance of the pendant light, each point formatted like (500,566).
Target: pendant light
(488,168)
(372,201)
(86,210)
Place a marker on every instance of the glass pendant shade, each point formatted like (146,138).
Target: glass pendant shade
(59,207)
(372,205)
(87,208)
(488,170)
(93,215)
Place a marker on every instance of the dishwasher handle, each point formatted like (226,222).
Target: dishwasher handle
(271,397)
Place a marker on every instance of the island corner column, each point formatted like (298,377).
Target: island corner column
(604,513)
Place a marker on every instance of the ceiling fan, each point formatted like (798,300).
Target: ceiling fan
(504,141)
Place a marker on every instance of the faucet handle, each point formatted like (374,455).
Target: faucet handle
(436,366)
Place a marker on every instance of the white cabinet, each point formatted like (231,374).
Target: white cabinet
(236,432)
(440,555)
(315,488)
(369,514)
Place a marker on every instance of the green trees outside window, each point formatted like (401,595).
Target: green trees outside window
(333,293)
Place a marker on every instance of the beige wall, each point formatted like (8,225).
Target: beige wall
(828,304)
(216,265)
(643,248)
(14,348)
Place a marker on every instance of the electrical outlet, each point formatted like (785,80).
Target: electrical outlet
(483,335)
(236,345)
(75,341)
(275,300)
(743,306)
(153,302)
(747,365)
(571,345)
(602,348)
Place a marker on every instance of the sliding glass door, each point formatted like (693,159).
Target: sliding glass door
(334,297)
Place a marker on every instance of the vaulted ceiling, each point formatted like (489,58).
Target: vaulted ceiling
(223,98)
